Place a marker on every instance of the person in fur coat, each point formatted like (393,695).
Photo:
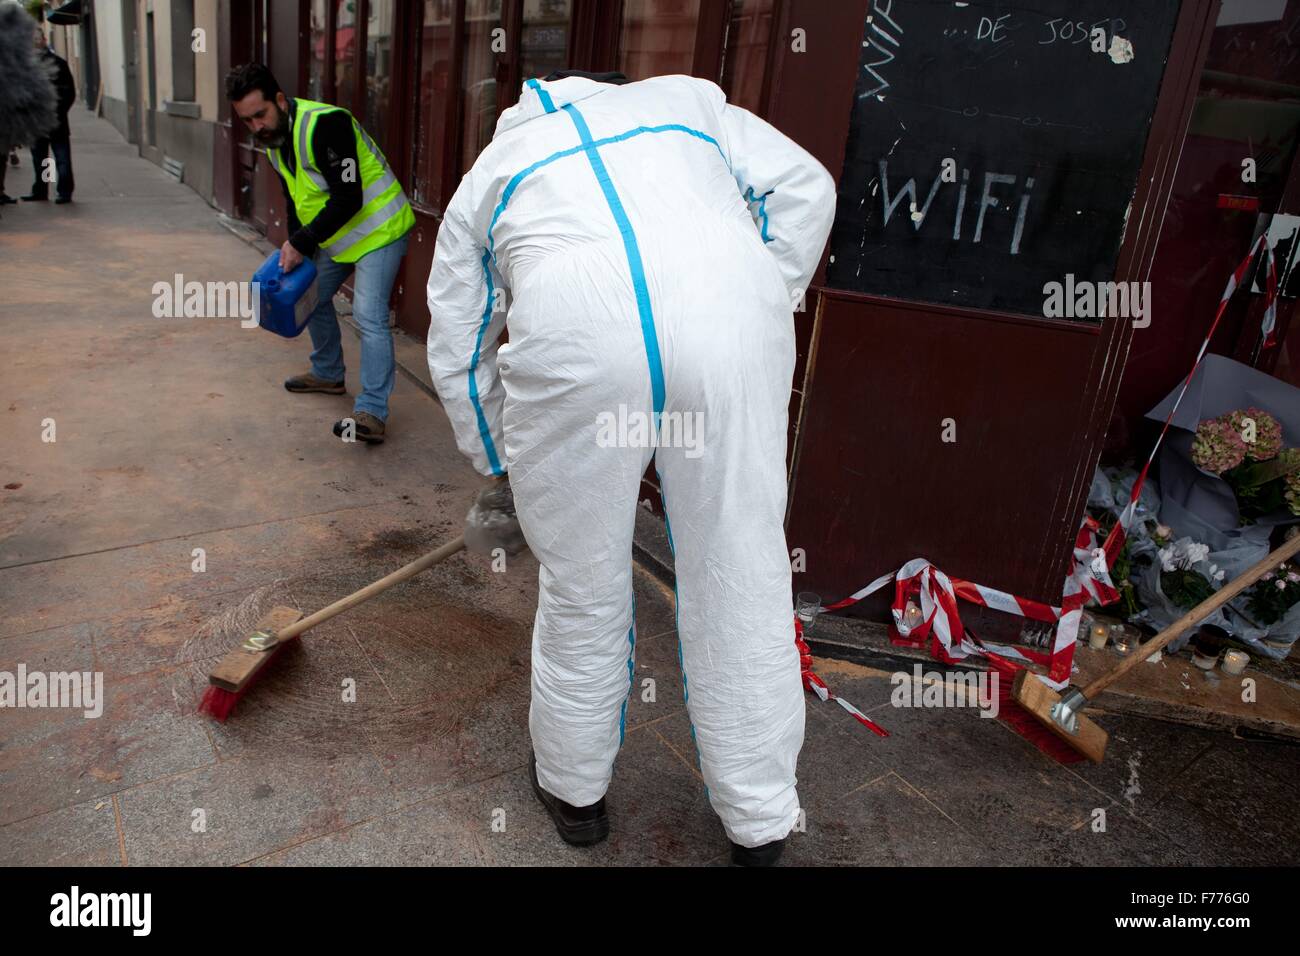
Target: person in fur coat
(28,103)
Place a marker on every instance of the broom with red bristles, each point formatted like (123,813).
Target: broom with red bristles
(233,676)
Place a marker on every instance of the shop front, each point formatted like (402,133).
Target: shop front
(984,151)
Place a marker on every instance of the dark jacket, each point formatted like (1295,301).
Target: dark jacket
(64,88)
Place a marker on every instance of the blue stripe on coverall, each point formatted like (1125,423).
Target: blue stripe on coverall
(483,430)
(647,324)
(651,346)
(519,177)
(547,103)
(762,209)
(639,284)
(588,146)
(485,433)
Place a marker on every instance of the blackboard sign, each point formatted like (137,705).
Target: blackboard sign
(994,146)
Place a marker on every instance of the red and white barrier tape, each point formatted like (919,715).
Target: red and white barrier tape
(812,682)
(1088,581)
(1270,311)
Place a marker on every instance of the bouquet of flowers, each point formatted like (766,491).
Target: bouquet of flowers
(1267,615)
(1244,448)
(1180,581)
(1276,593)
(1184,573)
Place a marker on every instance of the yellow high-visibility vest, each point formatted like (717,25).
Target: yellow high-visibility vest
(385,215)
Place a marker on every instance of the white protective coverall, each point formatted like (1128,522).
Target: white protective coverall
(647,242)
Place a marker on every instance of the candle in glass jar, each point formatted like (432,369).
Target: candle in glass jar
(1122,639)
(1098,636)
(807,606)
(1235,661)
(912,616)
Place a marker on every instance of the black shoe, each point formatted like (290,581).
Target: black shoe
(578,826)
(7,200)
(60,200)
(33,197)
(765,855)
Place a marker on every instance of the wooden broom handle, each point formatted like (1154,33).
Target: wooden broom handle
(1195,616)
(370,590)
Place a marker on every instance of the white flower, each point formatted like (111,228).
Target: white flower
(1185,552)
(1167,558)
(1281,585)
(1163,531)
(1219,576)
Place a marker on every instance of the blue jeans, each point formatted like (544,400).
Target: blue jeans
(62,146)
(376,271)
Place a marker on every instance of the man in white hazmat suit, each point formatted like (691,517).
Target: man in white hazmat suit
(648,242)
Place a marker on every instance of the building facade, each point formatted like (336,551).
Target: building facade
(150,67)
(981,149)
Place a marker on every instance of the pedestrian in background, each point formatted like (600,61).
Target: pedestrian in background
(27,99)
(60,137)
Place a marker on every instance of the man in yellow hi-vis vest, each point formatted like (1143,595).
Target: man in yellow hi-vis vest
(347,211)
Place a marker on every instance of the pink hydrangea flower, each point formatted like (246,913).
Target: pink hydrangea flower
(1267,432)
(1217,447)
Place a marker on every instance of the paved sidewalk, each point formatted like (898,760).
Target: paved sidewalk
(174,434)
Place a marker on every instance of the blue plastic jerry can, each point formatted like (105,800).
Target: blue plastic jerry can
(286,300)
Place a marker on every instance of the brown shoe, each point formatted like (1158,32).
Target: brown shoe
(310,383)
(366,428)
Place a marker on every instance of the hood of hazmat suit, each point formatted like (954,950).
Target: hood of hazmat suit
(648,243)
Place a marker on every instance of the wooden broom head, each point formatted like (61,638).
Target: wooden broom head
(1039,699)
